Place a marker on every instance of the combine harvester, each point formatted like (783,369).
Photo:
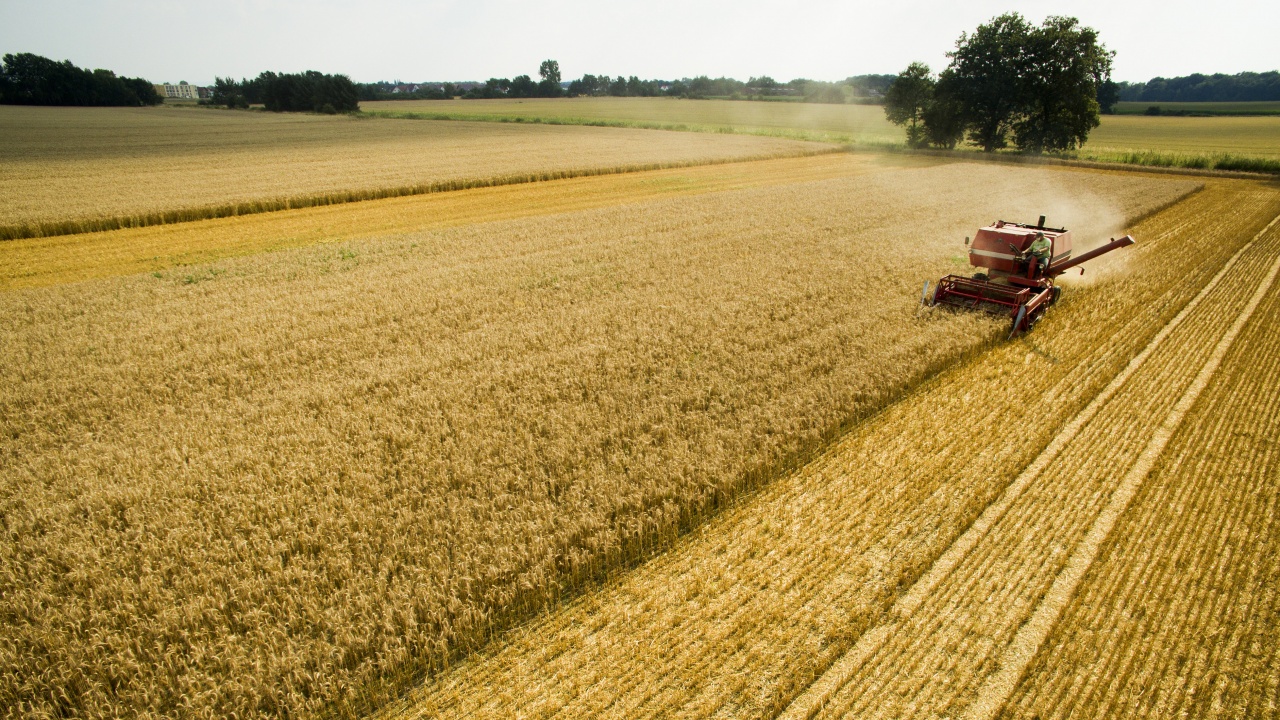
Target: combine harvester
(1013,280)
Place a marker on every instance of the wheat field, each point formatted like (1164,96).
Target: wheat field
(292,483)
(69,170)
(1179,615)
(43,261)
(1247,136)
(924,568)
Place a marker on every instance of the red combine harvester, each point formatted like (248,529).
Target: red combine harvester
(1014,282)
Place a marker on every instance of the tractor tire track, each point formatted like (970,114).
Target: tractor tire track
(1192,560)
(929,657)
(741,616)
(819,694)
(1033,634)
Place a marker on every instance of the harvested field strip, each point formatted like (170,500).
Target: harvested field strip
(996,692)
(740,617)
(1179,617)
(38,262)
(79,169)
(819,695)
(55,228)
(289,483)
(995,607)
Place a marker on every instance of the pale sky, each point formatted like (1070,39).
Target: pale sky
(172,40)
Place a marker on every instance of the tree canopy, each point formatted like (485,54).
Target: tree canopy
(309,91)
(1242,87)
(907,100)
(1009,81)
(28,79)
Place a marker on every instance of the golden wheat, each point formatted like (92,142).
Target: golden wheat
(269,484)
(745,614)
(960,651)
(1178,617)
(69,170)
(36,262)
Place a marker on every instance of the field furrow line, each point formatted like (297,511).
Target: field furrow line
(1181,593)
(1195,556)
(819,693)
(1000,687)
(777,591)
(1037,559)
(1193,342)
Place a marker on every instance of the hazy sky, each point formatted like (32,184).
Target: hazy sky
(456,40)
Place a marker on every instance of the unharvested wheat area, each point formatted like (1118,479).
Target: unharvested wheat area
(675,441)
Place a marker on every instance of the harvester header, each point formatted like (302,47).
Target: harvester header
(1018,264)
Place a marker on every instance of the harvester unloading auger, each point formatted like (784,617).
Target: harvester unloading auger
(1014,281)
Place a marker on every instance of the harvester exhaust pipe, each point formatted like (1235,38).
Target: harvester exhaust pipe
(1041,223)
(1125,241)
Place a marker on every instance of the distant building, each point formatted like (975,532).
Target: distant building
(183,90)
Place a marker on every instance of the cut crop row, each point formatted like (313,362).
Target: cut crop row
(742,616)
(941,655)
(295,480)
(1179,615)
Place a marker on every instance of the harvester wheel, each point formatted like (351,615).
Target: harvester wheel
(981,277)
(1057,293)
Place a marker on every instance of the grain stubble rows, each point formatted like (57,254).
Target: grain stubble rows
(748,613)
(213,485)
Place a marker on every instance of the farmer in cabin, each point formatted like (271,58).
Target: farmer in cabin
(1040,250)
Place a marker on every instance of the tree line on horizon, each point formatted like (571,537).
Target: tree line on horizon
(309,91)
(30,79)
(856,88)
(1241,87)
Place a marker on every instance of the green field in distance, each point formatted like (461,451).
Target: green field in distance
(1229,143)
(1201,108)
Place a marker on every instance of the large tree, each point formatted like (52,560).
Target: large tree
(1066,66)
(907,100)
(988,70)
(549,71)
(1037,86)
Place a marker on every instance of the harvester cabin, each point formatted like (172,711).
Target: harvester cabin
(994,245)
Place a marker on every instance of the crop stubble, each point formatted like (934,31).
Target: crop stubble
(943,656)
(1178,616)
(259,487)
(742,616)
(66,170)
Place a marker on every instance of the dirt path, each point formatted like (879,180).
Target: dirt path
(743,616)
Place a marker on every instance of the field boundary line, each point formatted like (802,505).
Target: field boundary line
(1141,161)
(1000,686)
(816,697)
(57,228)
